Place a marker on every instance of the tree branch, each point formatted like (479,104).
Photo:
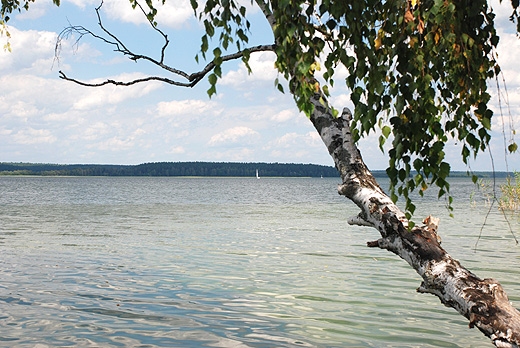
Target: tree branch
(188,80)
(192,79)
(119,45)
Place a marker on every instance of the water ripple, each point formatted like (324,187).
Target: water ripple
(157,262)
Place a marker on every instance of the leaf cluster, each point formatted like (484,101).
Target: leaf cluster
(225,21)
(418,70)
(10,6)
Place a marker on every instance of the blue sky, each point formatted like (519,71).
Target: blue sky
(48,120)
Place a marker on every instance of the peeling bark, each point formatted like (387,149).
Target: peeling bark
(482,301)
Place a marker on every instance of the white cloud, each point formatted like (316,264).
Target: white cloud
(113,144)
(127,140)
(31,96)
(96,130)
(263,70)
(177,150)
(298,147)
(285,115)
(173,14)
(31,52)
(36,10)
(83,3)
(287,140)
(505,102)
(188,107)
(111,95)
(503,10)
(5,132)
(508,46)
(341,101)
(32,136)
(295,140)
(241,154)
(239,134)
(23,109)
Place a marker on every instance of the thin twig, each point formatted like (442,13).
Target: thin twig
(495,199)
(165,37)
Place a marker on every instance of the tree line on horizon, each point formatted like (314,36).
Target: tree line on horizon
(171,169)
(223,169)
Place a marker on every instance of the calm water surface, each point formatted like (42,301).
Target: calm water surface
(225,262)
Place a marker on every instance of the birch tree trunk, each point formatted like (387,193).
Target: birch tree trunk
(482,301)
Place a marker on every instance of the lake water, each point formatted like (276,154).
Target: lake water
(225,262)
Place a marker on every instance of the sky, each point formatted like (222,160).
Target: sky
(44,119)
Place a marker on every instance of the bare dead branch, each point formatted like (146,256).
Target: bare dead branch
(122,83)
(192,79)
(187,80)
(117,41)
(113,40)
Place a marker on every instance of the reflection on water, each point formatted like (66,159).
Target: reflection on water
(224,262)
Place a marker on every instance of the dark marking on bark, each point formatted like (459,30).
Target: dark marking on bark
(419,241)
(486,296)
(373,244)
(425,244)
(392,224)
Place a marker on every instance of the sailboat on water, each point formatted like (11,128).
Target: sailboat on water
(257,174)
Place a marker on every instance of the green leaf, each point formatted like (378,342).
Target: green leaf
(386,131)
(444,170)
(382,140)
(204,45)
(325,90)
(486,122)
(212,90)
(212,78)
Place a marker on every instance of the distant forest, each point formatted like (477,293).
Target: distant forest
(189,169)
(171,169)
